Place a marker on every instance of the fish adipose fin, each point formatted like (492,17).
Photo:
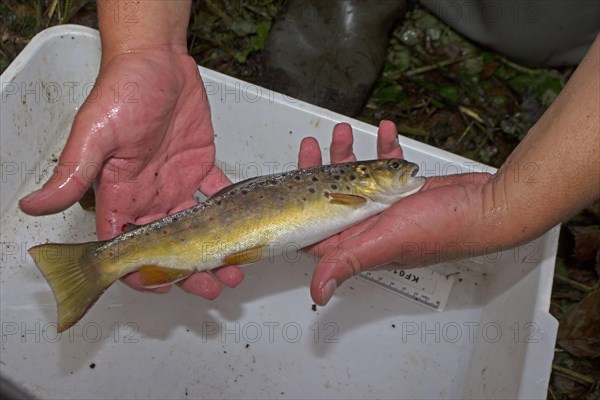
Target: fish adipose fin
(155,276)
(347,199)
(247,256)
(74,274)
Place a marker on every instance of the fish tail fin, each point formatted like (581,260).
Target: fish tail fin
(74,273)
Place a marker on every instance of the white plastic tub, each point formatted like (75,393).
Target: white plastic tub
(495,338)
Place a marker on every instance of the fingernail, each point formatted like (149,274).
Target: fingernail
(31,195)
(327,291)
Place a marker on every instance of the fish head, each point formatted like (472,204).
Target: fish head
(388,180)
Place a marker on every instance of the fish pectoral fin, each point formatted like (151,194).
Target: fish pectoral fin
(246,256)
(347,199)
(155,276)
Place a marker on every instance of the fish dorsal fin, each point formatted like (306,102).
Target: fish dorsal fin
(347,199)
(129,227)
(246,256)
(154,276)
(226,189)
(233,186)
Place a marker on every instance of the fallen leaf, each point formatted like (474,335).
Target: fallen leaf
(579,330)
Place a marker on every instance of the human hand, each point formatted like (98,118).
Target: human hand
(414,232)
(145,137)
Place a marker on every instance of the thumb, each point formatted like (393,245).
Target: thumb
(79,164)
(363,251)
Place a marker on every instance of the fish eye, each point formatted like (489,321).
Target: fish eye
(394,164)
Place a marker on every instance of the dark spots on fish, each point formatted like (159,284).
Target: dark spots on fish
(261,196)
(352,177)
(182,240)
(334,187)
(342,171)
(290,186)
(174,219)
(454,209)
(362,168)
(133,199)
(156,174)
(311,190)
(93,365)
(232,193)
(110,254)
(315,179)
(219,202)
(347,187)
(165,232)
(244,192)
(272,182)
(304,199)
(281,198)
(314,307)
(367,175)
(298,177)
(211,218)
(336,177)
(326,195)
(146,234)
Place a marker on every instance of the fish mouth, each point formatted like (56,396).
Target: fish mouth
(410,173)
(413,183)
(415,170)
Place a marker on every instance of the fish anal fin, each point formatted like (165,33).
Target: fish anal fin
(347,199)
(154,276)
(246,256)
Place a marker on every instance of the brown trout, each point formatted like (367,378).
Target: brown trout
(236,226)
